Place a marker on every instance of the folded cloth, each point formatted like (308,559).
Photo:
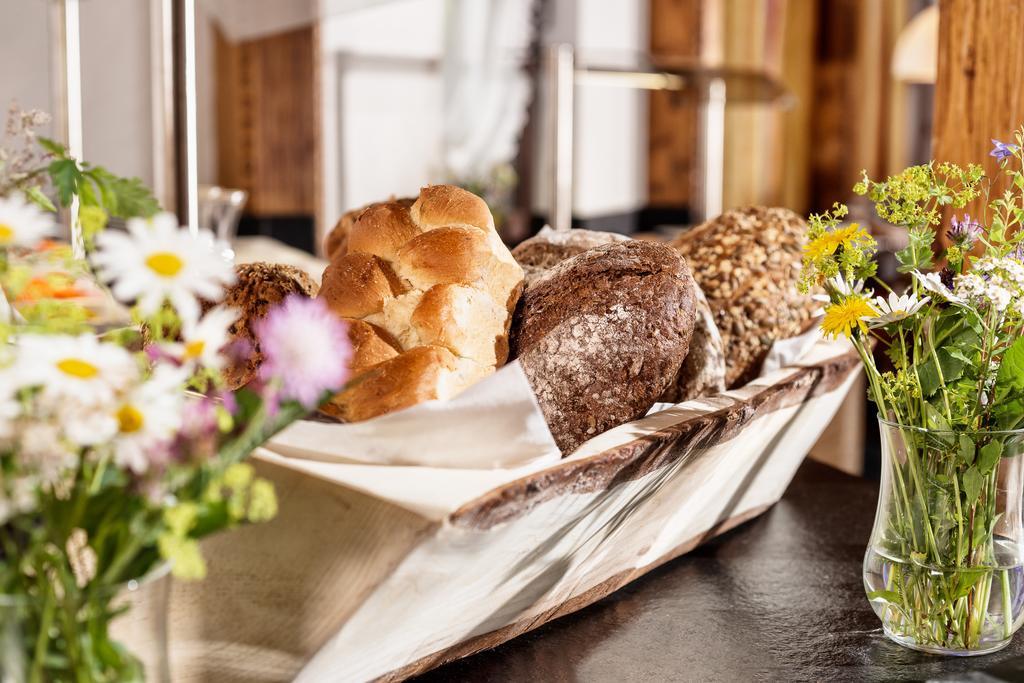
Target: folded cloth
(496,423)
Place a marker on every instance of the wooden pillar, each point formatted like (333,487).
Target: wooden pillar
(979,92)
(678,31)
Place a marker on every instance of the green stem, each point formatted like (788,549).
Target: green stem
(1007,612)
(43,637)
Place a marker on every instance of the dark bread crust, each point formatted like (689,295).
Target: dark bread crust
(260,287)
(601,335)
(547,249)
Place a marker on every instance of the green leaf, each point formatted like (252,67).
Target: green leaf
(888,596)
(988,456)
(123,197)
(971,482)
(967,449)
(952,370)
(918,253)
(134,199)
(1010,377)
(52,146)
(66,177)
(35,193)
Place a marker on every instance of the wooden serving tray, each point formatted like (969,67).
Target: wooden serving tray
(345,585)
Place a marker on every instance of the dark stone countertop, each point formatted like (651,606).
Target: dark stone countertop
(779,598)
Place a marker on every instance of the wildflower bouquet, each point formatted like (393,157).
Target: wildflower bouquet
(944,568)
(120,450)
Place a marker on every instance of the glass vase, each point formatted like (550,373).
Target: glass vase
(944,570)
(116,633)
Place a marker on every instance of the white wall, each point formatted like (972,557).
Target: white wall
(382,126)
(117,121)
(382,121)
(611,122)
(117,127)
(25,69)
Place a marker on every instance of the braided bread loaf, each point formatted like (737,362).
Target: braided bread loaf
(428,290)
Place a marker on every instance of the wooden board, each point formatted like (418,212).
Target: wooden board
(266,127)
(979,92)
(347,586)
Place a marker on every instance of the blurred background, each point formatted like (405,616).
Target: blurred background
(270,118)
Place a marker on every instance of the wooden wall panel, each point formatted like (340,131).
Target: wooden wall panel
(266,133)
(979,93)
(676,33)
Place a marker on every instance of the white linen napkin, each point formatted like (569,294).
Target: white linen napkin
(496,423)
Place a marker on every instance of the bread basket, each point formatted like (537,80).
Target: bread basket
(359,579)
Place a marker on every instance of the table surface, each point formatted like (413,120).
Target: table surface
(779,598)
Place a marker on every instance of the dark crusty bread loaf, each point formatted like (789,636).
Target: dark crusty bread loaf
(601,335)
(747,261)
(702,372)
(550,247)
(260,287)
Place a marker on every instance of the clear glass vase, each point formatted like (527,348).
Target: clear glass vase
(944,570)
(73,637)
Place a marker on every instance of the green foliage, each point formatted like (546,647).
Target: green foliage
(917,255)
(97,187)
(914,197)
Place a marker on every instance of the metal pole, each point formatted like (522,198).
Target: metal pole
(713,152)
(561,75)
(69,98)
(190,141)
(165,150)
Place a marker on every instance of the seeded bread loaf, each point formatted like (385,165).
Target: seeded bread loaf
(703,371)
(747,262)
(600,335)
(260,287)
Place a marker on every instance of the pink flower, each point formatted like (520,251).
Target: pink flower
(305,348)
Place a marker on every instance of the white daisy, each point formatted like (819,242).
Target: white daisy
(81,369)
(896,308)
(841,287)
(931,282)
(22,223)
(204,340)
(148,418)
(157,261)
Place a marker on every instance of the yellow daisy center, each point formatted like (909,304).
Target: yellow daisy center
(6,234)
(77,368)
(846,316)
(164,263)
(130,419)
(194,349)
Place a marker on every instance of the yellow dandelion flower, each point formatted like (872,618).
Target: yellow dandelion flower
(846,316)
(827,243)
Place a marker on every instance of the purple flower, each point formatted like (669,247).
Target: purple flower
(1001,150)
(197,439)
(946,277)
(1018,253)
(227,399)
(964,232)
(305,348)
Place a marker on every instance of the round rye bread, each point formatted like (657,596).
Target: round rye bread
(601,335)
